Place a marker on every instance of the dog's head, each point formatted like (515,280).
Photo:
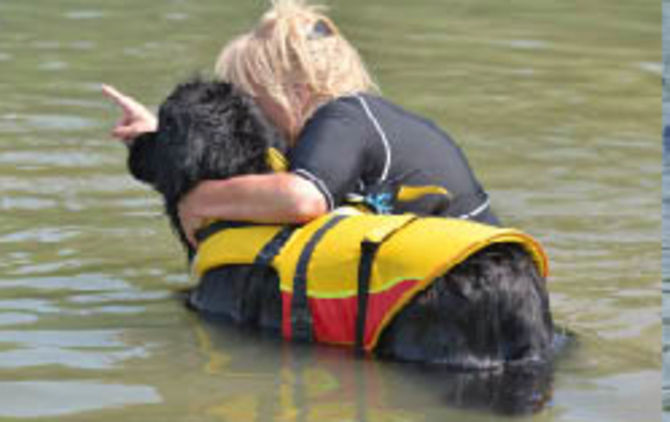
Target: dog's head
(206,130)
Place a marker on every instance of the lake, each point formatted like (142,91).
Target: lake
(557,105)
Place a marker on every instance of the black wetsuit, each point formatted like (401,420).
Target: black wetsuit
(353,144)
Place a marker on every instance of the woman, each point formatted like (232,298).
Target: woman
(345,142)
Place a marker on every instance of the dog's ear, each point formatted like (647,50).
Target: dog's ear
(164,158)
(142,160)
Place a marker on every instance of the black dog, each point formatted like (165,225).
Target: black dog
(488,311)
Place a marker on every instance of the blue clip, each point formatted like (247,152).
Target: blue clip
(380,203)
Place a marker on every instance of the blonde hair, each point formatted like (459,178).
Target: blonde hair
(294,43)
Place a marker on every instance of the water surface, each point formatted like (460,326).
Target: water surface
(556,104)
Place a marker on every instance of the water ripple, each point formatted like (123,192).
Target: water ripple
(78,282)
(84,14)
(17,318)
(63,159)
(43,356)
(524,44)
(73,185)
(83,45)
(122,296)
(48,267)
(53,65)
(18,399)
(61,338)
(34,305)
(652,67)
(176,16)
(49,122)
(45,45)
(9,203)
(42,235)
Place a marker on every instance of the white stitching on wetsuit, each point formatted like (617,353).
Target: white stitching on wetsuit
(382,135)
(320,184)
(477,210)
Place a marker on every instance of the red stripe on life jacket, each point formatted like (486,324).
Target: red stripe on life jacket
(334,320)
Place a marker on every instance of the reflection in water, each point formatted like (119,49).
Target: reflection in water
(514,391)
(319,383)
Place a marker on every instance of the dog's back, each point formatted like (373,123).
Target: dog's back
(490,310)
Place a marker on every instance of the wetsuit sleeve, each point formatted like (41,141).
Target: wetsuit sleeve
(330,153)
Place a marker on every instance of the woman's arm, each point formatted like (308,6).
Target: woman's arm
(262,198)
(326,164)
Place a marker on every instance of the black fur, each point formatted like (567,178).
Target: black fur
(489,311)
(206,131)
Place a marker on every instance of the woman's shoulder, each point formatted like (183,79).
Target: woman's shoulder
(342,119)
(346,104)
(352,107)
(345,108)
(389,112)
(359,101)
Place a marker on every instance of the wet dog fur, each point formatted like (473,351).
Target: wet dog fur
(490,311)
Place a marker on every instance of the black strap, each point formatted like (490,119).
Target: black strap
(272,248)
(368,252)
(301,317)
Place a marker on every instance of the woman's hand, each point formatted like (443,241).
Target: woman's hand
(136,119)
(188,220)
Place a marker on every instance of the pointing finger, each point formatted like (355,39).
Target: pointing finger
(117,97)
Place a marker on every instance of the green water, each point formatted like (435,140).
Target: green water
(558,106)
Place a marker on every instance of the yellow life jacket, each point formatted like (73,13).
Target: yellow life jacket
(322,263)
